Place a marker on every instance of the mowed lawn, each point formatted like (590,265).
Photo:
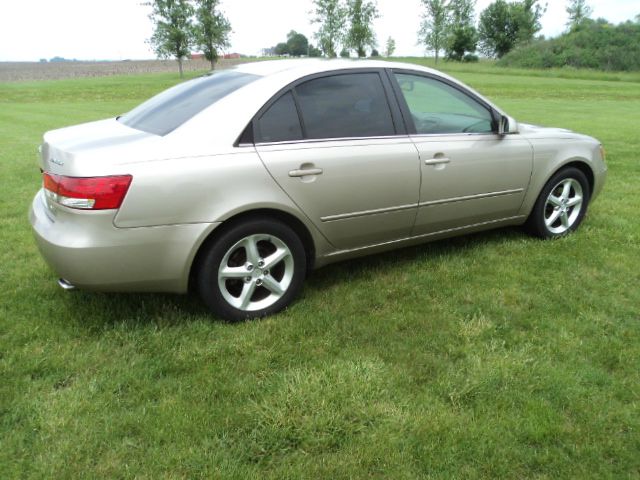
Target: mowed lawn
(489,356)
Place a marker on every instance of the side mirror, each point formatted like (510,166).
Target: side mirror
(507,125)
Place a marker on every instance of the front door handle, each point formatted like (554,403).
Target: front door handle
(303,172)
(437,161)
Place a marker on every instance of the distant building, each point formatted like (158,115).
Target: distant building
(196,56)
(231,56)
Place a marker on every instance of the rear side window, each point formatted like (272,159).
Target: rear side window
(349,105)
(280,123)
(168,110)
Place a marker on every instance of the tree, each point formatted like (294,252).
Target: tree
(434,23)
(331,16)
(360,35)
(173,29)
(461,34)
(578,11)
(314,52)
(344,53)
(391,47)
(297,44)
(281,49)
(528,14)
(212,29)
(375,53)
(503,25)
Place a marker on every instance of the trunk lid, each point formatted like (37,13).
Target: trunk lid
(94,148)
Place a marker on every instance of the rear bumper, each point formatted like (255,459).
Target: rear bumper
(88,251)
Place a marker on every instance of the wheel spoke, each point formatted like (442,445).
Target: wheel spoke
(566,190)
(565,219)
(552,219)
(246,294)
(555,201)
(272,285)
(251,248)
(276,257)
(575,201)
(233,272)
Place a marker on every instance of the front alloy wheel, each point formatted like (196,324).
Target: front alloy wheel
(561,205)
(252,269)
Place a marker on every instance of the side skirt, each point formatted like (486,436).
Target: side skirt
(417,240)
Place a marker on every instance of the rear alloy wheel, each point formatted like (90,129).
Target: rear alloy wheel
(561,205)
(252,270)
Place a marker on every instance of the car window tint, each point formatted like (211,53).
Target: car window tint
(168,110)
(350,105)
(440,108)
(280,122)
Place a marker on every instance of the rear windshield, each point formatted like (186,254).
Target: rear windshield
(168,110)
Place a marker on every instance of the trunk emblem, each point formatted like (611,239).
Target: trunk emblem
(57,162)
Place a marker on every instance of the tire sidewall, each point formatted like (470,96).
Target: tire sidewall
(208,270)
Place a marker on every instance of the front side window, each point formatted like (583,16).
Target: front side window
(438,108)
(168,110)
(280,123)
(343,106)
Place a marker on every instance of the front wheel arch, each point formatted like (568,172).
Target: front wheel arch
(578,163)
(584,167)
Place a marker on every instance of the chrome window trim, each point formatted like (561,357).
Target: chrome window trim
(460,134)
(328,140)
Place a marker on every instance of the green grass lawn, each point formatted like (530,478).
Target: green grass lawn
(489,356)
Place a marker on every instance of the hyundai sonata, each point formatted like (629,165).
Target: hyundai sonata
(239,182)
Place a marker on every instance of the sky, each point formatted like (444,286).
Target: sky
(118,29)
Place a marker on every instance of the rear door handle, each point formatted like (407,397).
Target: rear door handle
(305,172)
(437,161)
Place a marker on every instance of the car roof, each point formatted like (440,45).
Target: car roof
(309,66)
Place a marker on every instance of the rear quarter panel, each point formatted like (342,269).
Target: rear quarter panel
(205,189)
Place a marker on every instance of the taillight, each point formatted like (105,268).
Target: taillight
(88,193)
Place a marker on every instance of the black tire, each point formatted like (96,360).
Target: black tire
(269,236)
(544,209)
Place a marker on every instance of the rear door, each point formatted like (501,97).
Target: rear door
(337,146)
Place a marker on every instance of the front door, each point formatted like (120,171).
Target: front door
(470,174)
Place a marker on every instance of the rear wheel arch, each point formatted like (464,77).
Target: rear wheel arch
(288,219)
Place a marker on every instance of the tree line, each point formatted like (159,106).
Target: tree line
(449,26)
(594,44)
(346,26)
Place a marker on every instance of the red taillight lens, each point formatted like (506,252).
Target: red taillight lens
(88,193)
